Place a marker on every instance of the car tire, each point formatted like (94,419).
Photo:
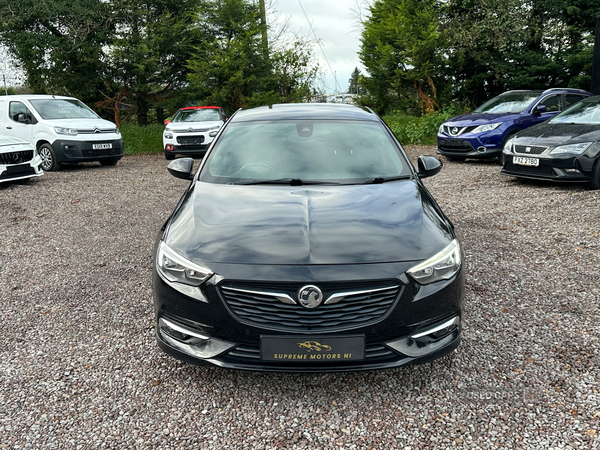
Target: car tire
(48,156)
(456,158)
(595,183)
(109,162)
(169,156)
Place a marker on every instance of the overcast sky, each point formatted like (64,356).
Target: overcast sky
(333,23)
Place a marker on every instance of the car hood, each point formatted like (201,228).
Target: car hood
(392,222)
(185,126)
(549,134)
(479,119)
(82,124)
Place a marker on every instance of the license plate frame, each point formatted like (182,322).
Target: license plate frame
(453,143)
(101,146)
(526,161)
(312,349)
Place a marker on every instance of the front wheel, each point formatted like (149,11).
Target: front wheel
(48,156)
(109,162)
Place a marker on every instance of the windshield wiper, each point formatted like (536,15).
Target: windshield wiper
(283,181)
(379,180)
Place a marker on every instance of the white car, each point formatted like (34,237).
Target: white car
(192,130)
(18,160)
(61,129)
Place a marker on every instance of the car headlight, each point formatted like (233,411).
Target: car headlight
(68,131)
(168,135)
(441,266)
(181,274)
(441,129)
(488,127)
(508,146)
(117,131)
(576,149)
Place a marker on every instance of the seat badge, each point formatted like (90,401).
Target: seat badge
(310,296)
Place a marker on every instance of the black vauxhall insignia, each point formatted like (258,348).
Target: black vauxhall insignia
(306,242)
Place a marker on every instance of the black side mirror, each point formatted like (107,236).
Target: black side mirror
(21,118)
(539,109)
(428,166)
(181,168)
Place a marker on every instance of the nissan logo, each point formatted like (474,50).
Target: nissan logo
(454,131)
(310,296)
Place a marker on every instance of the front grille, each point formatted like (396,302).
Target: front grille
(354,311)
(17,171)
(190,140)
(249,354)
(461,130)
(97,131)
(533,150)
(17,157)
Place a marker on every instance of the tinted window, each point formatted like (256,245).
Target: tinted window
(571,99)
(552,103)
(512,102)
(16,108)
(584,112)
(198,115)
(57,108)
(310,150)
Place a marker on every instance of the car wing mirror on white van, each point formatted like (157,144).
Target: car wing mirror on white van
(22,118)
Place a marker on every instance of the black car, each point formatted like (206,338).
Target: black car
(565,148)
(306,242)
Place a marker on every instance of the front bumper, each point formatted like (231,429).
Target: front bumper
(561,169)
(14,172)
(69,151)
(193,150)
(236,339)
(487,145)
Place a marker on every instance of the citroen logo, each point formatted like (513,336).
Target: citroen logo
(97,130)
(310,296)
(454,131)
(527,149)
(190,130)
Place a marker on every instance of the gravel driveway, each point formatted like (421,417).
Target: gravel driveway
(79,366)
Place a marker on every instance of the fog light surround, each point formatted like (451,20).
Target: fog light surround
(189,341)
(428,340)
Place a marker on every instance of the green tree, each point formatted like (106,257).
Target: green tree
(355,83)
(400,48)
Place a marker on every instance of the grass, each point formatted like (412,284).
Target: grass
(138,139)
(418,130)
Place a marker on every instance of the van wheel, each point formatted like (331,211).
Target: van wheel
(109,162)
(595,183)
(48,156)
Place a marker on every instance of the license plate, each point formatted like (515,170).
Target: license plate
(312,349)
(453,143)
(101,146)
(526,161)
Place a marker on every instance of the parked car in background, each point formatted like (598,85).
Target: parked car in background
(18,160)
(483,132)
(192,130)
(565,148)
(61,129)
(307,242)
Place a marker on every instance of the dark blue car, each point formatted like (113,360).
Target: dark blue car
(483,133)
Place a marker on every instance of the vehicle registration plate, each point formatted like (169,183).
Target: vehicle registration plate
(526,161)
(101,146)
(312,349)
(453,143)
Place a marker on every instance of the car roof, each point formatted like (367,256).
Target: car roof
(38,97)
(199,107)
(305,111)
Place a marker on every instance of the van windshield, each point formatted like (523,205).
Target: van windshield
(60,108)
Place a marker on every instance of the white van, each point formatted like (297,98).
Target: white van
(62,129)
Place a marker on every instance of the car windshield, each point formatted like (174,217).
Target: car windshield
(320,151)
(512,102)
(197,115)
(585,112)
(58,108)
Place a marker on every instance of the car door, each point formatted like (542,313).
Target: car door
(19,122)
(553,104)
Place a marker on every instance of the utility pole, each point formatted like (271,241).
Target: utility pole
(263,19)
(5,89)
(595,87)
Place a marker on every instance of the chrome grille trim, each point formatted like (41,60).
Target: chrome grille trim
(534,149)
(283,298)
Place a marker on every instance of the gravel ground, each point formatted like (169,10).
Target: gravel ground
(79,366)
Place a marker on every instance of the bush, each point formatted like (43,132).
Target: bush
(419,130)
(138,139)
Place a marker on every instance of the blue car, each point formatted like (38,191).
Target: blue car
(483,133)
